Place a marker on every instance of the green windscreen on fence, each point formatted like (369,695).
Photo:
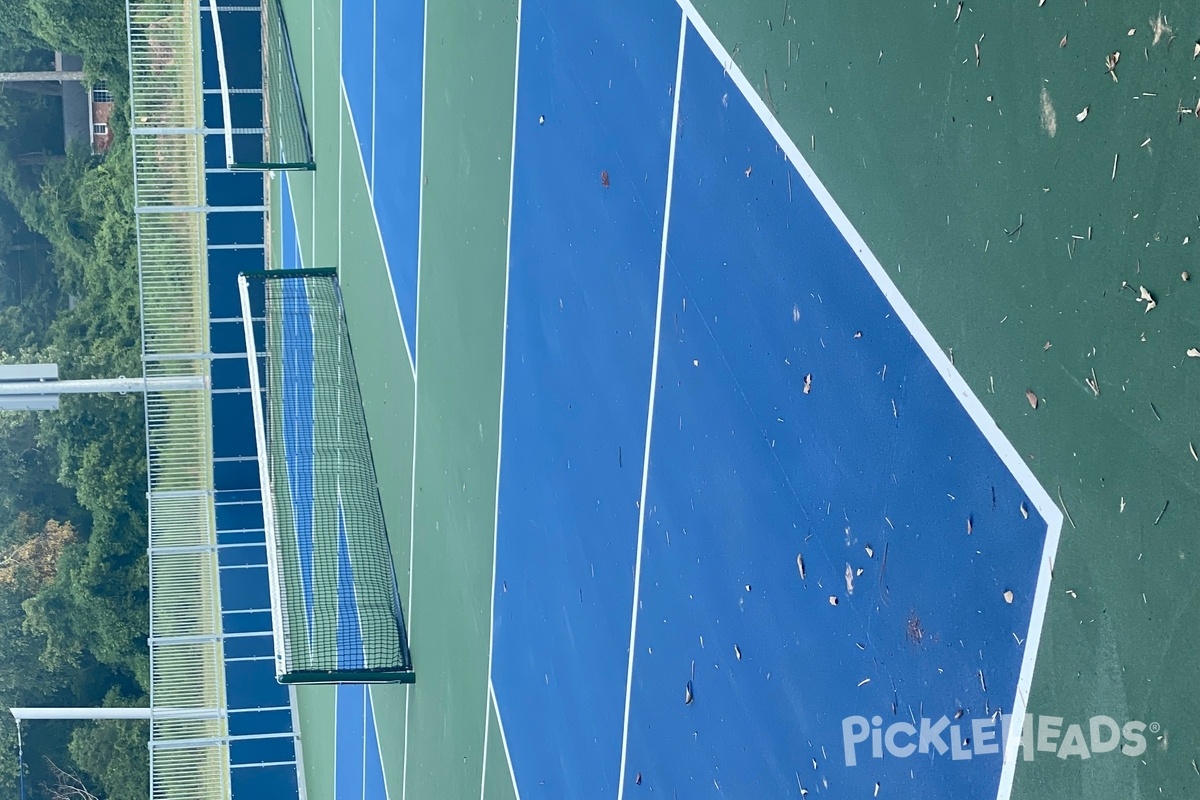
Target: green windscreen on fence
(287,143)
(334,599)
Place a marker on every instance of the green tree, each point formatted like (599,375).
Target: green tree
(114,752)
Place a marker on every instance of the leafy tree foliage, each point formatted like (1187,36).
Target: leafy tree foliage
(73,567)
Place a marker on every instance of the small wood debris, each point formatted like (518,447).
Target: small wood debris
(1110,61)
(1024,511)
(808,383)
(1071,594)
(970,525)
(604,181)
(1008,596)
(1082,115)
(1193,352)
(1032,398)
(1046,346)
(637,779)
(1192,450)
(870,551)
(958,12)
(1160,27)
(833,601)
(977,54)
(864,682)
(737,651)
(748,171)
(1114,172)
(849,580)
(800,564)
(1196,50)
(1093,384)
(1144,294)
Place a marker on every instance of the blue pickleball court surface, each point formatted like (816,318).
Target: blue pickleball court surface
(794,414)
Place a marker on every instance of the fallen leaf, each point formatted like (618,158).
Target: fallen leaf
(1008,596)
(1196,51)
(808,383)
(737,651)
(1082,115)
(1144,294)
(1032,398)
(1193,352)
(688,696)
(1024,511)
(833,601)
(1063,41)
(800,564)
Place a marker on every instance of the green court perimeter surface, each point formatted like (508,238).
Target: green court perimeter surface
(467,168)
(955,150)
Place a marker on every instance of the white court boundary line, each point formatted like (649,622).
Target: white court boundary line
(512,773)
(374,95)
(662,275)
(974,408)
(489,699)
(375,723)
(409,350)
(412,513)
(366,699)
(312,57)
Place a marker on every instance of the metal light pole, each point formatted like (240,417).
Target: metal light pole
(36,387)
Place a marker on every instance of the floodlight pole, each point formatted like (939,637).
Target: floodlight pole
(102,386)
(80,713)
(36,387)
(21,714)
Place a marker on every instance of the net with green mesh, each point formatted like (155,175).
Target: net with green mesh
(334,599)
(287,144)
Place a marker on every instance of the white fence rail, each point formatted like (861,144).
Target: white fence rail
(189,753)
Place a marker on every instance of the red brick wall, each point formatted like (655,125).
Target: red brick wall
(100,113)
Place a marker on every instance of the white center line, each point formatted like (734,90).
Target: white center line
(662,273)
